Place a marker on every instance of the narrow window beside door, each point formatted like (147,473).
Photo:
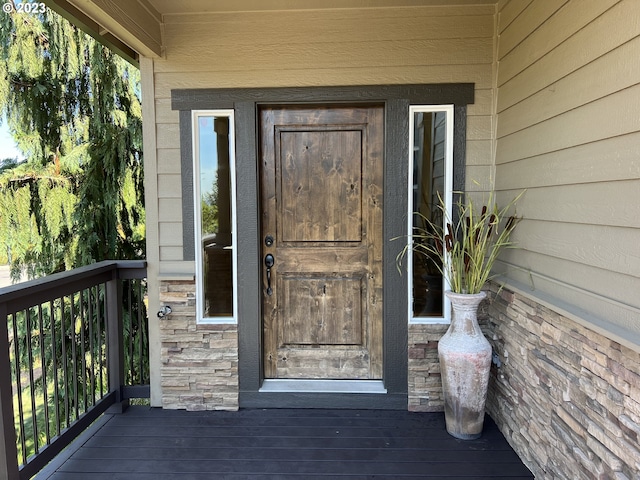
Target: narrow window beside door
(214,188)
(431,178)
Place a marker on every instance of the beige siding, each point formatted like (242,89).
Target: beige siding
(480,74)
(602,35)
(317,48)
(568,130)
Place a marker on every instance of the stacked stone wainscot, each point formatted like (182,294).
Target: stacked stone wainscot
(565,397)
(199,361)
(425,384)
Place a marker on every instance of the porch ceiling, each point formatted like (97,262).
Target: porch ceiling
(134,27)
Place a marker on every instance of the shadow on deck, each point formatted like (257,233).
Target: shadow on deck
(146,443)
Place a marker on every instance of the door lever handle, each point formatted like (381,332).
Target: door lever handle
(268,262)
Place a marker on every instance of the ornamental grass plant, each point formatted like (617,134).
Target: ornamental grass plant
(465,249)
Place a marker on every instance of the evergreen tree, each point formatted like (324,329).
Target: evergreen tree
(74,109)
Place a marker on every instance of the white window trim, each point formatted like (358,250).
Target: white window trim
(200,318)
(448,109)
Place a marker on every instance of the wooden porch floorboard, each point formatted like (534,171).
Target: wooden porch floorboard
(146,443)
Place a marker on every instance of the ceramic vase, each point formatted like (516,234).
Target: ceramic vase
(465,363)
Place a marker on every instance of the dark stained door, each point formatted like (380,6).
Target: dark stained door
(321,205)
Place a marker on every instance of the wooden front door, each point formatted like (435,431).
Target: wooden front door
(321,206)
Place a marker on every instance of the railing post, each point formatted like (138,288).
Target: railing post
(8,449)
(115,343)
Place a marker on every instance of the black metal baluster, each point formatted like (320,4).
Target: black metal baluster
(65,363)
(34,420)
(16,356)
(83,353)
(74,360)
(129,375)
(54,366)
(45,384)
(100,341)
(92,369)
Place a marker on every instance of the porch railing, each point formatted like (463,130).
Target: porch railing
(76,345)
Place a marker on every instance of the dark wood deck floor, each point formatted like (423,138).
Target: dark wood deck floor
(146,444)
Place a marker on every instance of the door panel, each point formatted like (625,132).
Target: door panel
(321,311)
(312,165)
(321,201)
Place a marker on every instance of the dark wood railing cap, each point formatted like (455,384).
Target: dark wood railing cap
(26,294)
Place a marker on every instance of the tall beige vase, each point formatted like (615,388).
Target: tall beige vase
(465,362)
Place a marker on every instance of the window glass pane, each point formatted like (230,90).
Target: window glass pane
(429,181)
(215,235)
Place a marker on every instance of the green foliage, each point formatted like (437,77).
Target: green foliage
(73,108)
(209,209)
(47,199)
(8,163)
(18,227)
(209,218)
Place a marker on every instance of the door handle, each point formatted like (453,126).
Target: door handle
(268,262)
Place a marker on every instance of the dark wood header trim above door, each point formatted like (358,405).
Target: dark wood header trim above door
(212,98)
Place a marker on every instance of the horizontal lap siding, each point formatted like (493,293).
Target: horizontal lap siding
(568,130)
(318,48)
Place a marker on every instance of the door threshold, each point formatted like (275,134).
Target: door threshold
(323,386)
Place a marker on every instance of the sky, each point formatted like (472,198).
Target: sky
(7,145)
(208,154)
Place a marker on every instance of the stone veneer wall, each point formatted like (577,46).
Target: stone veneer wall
(566,398)
(199,362)
(425,386)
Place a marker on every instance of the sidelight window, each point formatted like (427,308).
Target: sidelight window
(430,178)
(214,191)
